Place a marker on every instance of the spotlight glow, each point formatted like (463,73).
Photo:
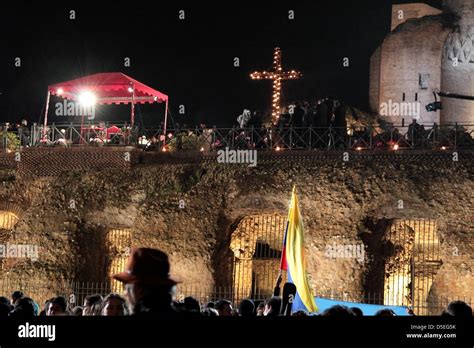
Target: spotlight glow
(87,98)
(59,91)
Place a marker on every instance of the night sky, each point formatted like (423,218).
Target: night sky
(190,60)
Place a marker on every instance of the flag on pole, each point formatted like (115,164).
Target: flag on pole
(293,258)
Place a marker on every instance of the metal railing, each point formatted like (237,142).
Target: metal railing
(314,138)
(414,136)
(75,292)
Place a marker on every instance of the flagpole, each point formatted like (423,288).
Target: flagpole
(282,257)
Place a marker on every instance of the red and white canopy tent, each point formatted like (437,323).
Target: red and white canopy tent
(108,88)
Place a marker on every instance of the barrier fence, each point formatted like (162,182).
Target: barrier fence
(414,136)
(75,292)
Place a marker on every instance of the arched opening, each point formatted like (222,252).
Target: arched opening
(118,245)
(413,259)
(256,244)
(8,220)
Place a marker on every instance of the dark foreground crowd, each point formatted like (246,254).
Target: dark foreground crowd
(149,292)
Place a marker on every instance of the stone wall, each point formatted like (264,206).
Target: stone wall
(344,203)
(403,12)
(458,63)
(410,52)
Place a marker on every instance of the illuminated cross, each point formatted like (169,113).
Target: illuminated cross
(277,74)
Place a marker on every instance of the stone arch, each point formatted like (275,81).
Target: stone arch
(8,220)
(118,242)
(413,259)
(256,244)
(10,214)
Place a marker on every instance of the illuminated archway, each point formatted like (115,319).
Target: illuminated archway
(118,244)
(256,243)
(413,263)
(8,220)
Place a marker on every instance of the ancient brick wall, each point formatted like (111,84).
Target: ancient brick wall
(342,203)
(409,53)
(403,12)
(458,64)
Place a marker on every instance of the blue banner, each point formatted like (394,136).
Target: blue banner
(367,309)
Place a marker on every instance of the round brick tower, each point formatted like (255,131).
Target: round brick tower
(457,67)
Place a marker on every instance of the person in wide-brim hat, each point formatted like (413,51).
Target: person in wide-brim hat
(148,267)
(147,282)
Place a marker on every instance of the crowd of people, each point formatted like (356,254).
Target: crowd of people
(322,113)
(149,292)
(331,122)
(326,123)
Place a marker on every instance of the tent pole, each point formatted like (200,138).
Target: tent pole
(46,115)
(132,116)
(166,120)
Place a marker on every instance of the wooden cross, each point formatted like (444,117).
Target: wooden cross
(277,74)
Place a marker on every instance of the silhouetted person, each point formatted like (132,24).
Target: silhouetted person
(113,305)
(247,308)
(458,309)
(5,300)
(297,116)
(415,133)
(256,120)
(385,313)
(322,114)
(309,115)
(16,295)
(338,311)
(24,309)
(4,310)
(357,311)
(57,307)
(224,308)
(77,311)
(191,305)
(89,302)
(340,123)
(148,284)
(272,307)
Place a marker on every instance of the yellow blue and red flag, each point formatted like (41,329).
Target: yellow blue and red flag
(293,258)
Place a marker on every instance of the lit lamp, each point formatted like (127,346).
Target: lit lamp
(87,99)
(143,140)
